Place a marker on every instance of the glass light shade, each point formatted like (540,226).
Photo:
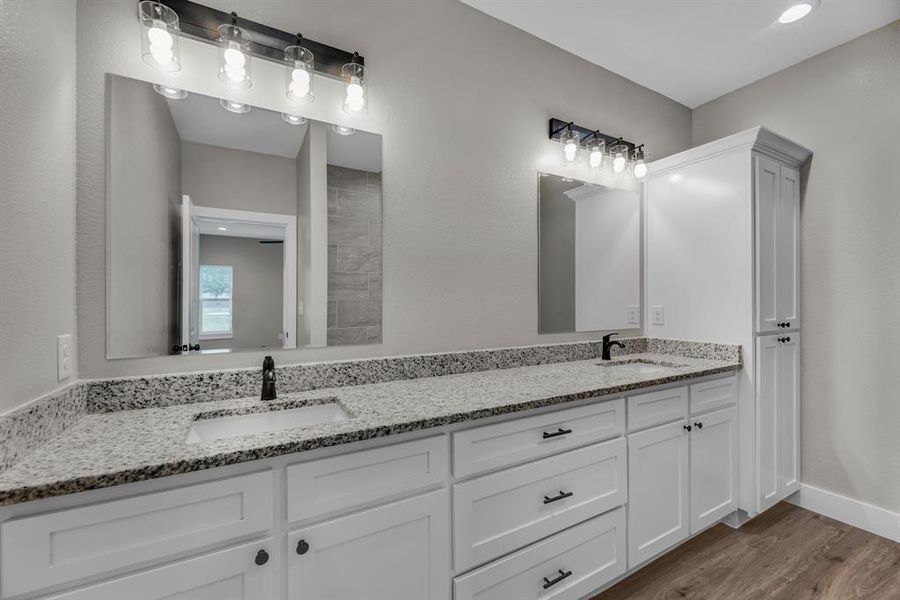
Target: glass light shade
(342,129)
(571,145)
(235,107)
(159,36)
(595,153)
(299,71)
(356,97)
(170,92)
(640,168)
(234,56)
(619,155)
(293,119)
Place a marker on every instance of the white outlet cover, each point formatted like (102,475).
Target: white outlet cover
(631,314)
(63,357)
(658,314)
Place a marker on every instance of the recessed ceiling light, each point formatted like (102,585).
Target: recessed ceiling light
(797,11)
(235,107)
(170,92)
(341,130)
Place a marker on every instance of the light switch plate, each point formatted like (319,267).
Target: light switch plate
(658,315)
(631,313)
(63,357)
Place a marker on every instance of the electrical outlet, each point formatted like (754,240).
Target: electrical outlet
(631,314)
(300,308)
(63,357)
(659,315)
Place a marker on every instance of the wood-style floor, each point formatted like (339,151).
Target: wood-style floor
(787,553)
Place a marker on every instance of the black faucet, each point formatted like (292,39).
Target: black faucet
(268,382)
(607,344)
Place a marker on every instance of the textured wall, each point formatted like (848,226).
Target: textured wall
(843,104)
(462,101)
(37,200)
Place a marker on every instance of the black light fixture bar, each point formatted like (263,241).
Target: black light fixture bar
(557,126)
(200,22)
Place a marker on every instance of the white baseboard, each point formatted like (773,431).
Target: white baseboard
(873,519)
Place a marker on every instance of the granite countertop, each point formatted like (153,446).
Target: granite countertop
(107,449)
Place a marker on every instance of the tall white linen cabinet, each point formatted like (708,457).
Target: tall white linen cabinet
(721,262)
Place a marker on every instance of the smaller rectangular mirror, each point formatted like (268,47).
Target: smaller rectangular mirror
(589,256)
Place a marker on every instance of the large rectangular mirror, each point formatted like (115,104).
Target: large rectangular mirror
(231,227)
(589,256)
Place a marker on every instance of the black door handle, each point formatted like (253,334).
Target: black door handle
(551,582)
(302,547)
(688,428)
(561,496)
(262,557)
(558,433)
(698,425)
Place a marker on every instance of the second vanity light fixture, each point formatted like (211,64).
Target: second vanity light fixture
(240,42)
(617,155)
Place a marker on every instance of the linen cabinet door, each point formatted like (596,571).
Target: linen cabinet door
(399,551)
(767,199)
(658,512)
(789,414)
(768,486)
(713,467)
(787,250)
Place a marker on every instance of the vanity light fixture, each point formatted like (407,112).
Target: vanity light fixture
(797,11)
(342,130)
(235,107)
(598,145)
(595,147)
(234,55)
(354,75)
(640,167)
(170,92)
(299,72)
(159,36)
(293,119)
(571,144)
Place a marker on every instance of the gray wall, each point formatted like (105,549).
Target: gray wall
(37,200)
(238,180)
(257,295)
(354,256)
(144,185)
(461,150)
(844,104)
(557,255)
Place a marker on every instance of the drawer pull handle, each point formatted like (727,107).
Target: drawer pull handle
(262,557)
(558,433)
(698,425)
(687,428)
(551,582)
(302,547)
(562,495)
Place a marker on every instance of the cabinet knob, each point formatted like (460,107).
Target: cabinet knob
(262,557)
(302,547)
(698,425)
(688,428)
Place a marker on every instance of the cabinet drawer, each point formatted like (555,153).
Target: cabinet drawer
(592,553)
(655,408)
(336,484)
(69,545)
(230,574)
(501,512)
(503,444)
(716,393)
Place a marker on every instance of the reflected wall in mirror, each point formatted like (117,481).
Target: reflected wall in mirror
(230,231)
(589,256)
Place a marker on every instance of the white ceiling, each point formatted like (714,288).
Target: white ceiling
(691,50)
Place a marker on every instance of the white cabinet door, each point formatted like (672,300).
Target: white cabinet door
(713,467)
(241,573)
(777,200)
(778,417)
(400,551)
(658,515)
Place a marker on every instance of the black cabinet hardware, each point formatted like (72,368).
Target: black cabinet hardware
(784,324)
(562,495)
(558,433)
(302,547)
(551,582)
(262,557)
(784,339)
(698,425)
(688,428)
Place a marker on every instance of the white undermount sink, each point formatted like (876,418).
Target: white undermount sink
(639,366)
(205,429)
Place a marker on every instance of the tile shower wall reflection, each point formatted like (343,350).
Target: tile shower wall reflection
(354,256)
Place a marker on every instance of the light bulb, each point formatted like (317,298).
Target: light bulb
(299,85)
(158,35)
(354,90)
(235,74)
(234,58)
(796,12)
(595,159)
(619,163)
(355,103)
(570,150)
(640,169)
